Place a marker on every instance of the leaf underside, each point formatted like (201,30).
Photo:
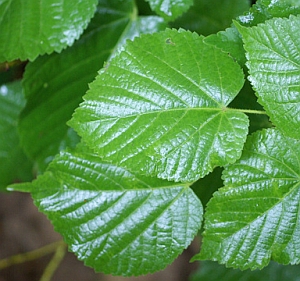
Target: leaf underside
(255,216)
(165,113)
(116,222)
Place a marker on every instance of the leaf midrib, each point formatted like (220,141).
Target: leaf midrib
(156,112)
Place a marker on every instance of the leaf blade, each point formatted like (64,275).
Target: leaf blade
(275,45)
(254,217)
(115,221)
(147,123)
(30,28)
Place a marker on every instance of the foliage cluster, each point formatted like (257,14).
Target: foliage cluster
(181,100)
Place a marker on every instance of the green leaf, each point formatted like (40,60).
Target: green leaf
(54,85)
(229,41)
(115,221)
(273,53)
(268,9)
(170,9)
(211,271)
(32,28)
(255,216)
(14,166)
(160,108)
(208,17)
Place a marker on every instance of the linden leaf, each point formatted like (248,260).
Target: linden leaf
(273,53)
(160,108)
(255,217)
(31,28)
(115,221)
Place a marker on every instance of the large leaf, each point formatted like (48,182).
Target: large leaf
(54,85)
(256,215)
(115,221)
(160,108)
(211,271)
(275,45)
(207,17)
(31,28)
(14,166)
(170,9)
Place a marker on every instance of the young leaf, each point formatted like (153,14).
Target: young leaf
(211,271)
(170,9)
(54,85)
(255,216)
(115,221)
(32,28)
(160,108)
(273,53)
(13,163)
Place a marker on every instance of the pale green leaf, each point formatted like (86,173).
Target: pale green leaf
(208,17)
(54,85)
(14,166)
(273,53)
(31,28)
(115,221)
(170,9)
(211,271)
(160,108)
(255,217)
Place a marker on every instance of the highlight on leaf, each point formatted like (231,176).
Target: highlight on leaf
(116,221)
(254,217)
(275,44)
(164,114)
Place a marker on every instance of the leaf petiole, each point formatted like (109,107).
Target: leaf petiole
(250,111)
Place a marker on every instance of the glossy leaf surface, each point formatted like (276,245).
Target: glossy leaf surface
(54,85)
(170,9)
(160,108)
(32,28)
(255,216)
(115,221)
(276,46)
(14,166)
(212,271)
